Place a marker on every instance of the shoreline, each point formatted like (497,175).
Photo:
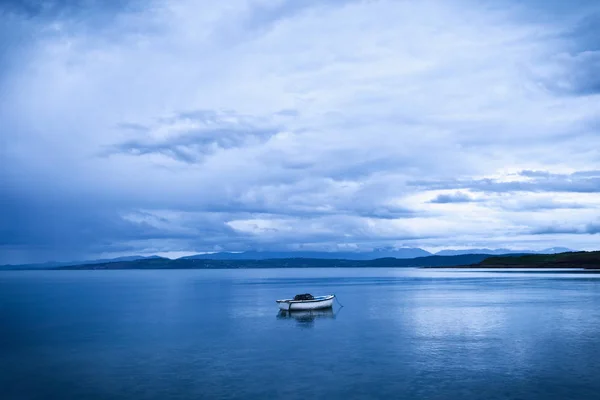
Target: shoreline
(520,268)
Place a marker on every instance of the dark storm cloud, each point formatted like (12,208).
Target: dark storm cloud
(193,145)
(580,62)
(245,209)
(540,205)
(457,197)
(552,230)
(50,221)
(67,8)
(72,228)
(591,228)
(540,181)
(580,74)
(203,133)
(584,35)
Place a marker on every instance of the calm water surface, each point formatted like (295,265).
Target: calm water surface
(402,333)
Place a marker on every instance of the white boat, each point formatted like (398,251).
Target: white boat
(314,303)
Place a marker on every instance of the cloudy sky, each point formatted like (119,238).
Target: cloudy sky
(176,127)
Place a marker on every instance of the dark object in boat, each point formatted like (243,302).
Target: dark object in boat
(305,296)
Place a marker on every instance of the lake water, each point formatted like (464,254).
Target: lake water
(402,333)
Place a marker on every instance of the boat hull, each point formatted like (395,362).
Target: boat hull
(317,304)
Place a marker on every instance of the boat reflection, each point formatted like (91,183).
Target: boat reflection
(306,318)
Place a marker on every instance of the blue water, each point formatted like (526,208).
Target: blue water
(411,334)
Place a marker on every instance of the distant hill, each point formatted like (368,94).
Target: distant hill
(269,255)
(552,250)
(190,263)
(55,264)
(579,259)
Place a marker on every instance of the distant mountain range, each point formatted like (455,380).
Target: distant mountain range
(394,253)
(408,252)
(195,263)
